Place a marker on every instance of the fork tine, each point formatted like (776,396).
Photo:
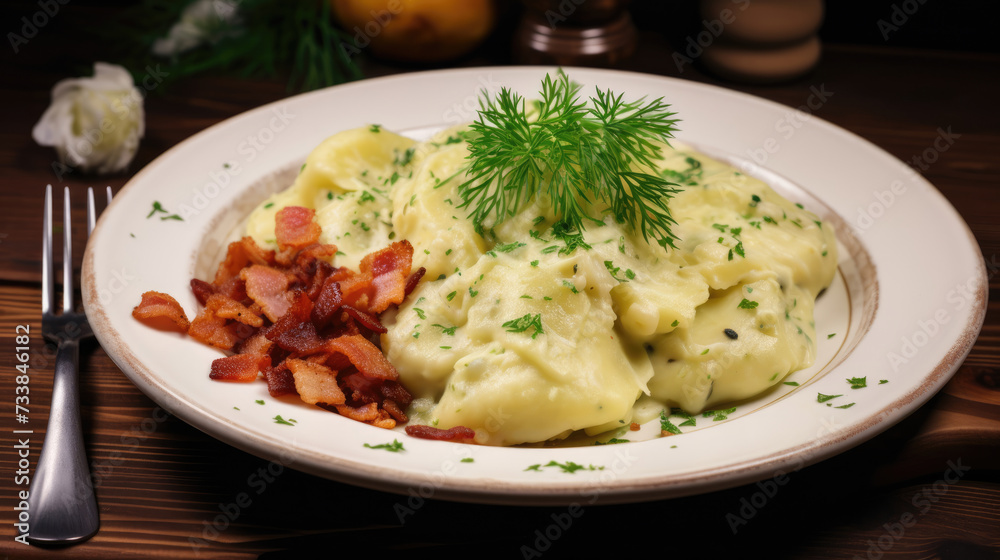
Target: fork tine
(48,284)
(109,195)
(91,211)
(67,255)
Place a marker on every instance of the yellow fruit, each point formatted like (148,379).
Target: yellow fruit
(416,30)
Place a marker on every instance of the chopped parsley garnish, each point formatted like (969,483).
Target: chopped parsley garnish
(718,415)
(792,383)
(883,381)
(404,159)
(571,467)
(611,441)
(420,313)
(394,447)
(508,247)
(848,405)
(747,304)
(571,286)
(524,323)
(450,331)
(858,382)
(449,297)
(157,207)
(279,420)
(614,270)
(667,426)
(820,397)
(376,128)
(567,467)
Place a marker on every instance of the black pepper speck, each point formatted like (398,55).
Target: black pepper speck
(731,334)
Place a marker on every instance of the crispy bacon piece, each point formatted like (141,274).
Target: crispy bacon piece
(156,306)
(304,325)
(202,290)
(280,380)
(394,410)
(389,269)
(240,254)
(458,433)
(315,383)
(368,320)
(364,413)
(266,286)
(414,279)
(256,344)
(239,367)
(363,355)
(369,413)
(208,327)
(327,303)
(295,229)
(229,308)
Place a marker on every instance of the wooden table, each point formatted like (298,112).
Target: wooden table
(162,483)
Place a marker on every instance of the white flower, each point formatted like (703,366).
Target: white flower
(202,21)
(94,123)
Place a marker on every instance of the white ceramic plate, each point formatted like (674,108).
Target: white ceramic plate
(906,307)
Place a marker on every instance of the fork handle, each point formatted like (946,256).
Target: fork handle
(61,497)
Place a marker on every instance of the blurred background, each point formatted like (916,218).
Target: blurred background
(306,41)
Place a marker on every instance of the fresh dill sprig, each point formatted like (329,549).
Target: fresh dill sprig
(579,154)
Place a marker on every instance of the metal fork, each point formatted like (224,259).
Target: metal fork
(61,497)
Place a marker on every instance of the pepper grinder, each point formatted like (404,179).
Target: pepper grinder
(575,33)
